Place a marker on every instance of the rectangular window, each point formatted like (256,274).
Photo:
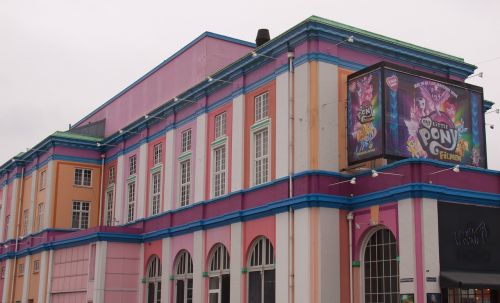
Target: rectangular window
(3,272)
(109,206)
(130,201)
(83,177)
(36,266)
(6,227)
(261,106)
(155,193)
(157,153)
(24,231)
(40,216)
(43,179)
(261,157)
(186,140)
(220,125)
(80,218)
(219,171)
(20,269)
(111,175)
(185,182)
(93,248)
(132,165)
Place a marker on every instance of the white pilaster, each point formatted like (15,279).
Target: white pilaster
(7,280)
(301,118)
(31,218)
(237,144)
(329,255)
(282,119)
(302,255)
(328,132)
(406,227)
(2,212)
(430,241)
(26,279)
(236,262)
(200,158)
(119,190)
(282,254)
(166,269)
(48,298)
(100,271)
(42,282)
(142,177)
(49,192)
(168,188)
(13,213)
(198,262)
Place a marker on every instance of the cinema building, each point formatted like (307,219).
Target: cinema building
(328,164)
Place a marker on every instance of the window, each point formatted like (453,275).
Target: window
(20,269)
(219,279)
(475,295)
(6,227)
(261,156)
(130,201)
(43,179)
(261,106)
(80,217)
(261,272)
(132,165)
(36,266)
(93,248)
(157,152)
(110,193)
(153,280)
(83,177)
(185,182)
(219,171)
(381,270)
(183,278)
(155,193)
(40,216)
(186,140)
(220,125)
(3,272)
(24,231)
(111,175)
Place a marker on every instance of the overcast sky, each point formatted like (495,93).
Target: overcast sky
(59,60)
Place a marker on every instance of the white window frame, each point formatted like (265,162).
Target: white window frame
(261,103)
(157,153)
(262,244)
(111,175)
(131,199)
(186,140)
(43,179)
(110,206)
(36,266)
(82,182)
(80,213)
(155,197)
(154,276)
(20,269)
(218,265)
(185,185)
(25,222)
(255,130)
(132,165)
(183,272)
(40,215)
(218,146)
(220,125)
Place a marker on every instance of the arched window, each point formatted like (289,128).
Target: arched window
(261,272)
(381,268)
(183,278)
(218,273)
(154,280)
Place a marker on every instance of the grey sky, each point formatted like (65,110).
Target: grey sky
(60,59)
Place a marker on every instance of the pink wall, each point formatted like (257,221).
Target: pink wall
(179,243)
(255,228)
(122,272)
(70,274)
(187,69)
(214,236)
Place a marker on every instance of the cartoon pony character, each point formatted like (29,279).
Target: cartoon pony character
(476,156)
(414,147)
(462,147)
(364,136)
(434,97)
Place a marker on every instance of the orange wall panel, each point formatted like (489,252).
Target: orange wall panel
(34,279)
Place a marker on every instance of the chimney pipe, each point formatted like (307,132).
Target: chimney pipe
(262,36)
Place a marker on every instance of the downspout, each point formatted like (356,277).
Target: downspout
(291,170)
(20,199)
(101,191)
(350,217)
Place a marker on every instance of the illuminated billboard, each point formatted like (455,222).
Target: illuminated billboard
(423,116)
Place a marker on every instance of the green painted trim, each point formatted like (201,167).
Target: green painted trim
(260,124)
(220,141)
(184,156)
(171,277)
(397,258)
(156,168)
(356,263)
(76,136)
(131,178)
(244,270)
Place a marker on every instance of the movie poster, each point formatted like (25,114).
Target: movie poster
(364,117)
(435,120)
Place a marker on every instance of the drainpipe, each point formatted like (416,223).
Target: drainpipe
(103,156)
(20,199)
(291,171)
(350,217)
